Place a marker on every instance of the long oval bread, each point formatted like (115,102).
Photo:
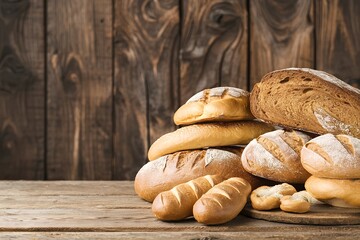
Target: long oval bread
(307,99)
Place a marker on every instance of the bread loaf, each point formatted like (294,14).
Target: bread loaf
(336,192)
(216,104)
(170,170)
(207,135)
(299,202)
(276,156)
(307,99)
(177,203)
(223,202)
(267,198)
(332,156)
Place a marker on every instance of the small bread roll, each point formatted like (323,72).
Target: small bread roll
(336,192)
(308,100)
(332,156)
(267,198)
(299,202)
(177,203)
(215,104)
(276,156)
(223,202)
(207,135)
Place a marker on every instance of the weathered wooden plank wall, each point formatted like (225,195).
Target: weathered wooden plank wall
(87,86)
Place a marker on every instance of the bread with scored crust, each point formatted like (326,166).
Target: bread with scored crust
(213,105)
(307,99)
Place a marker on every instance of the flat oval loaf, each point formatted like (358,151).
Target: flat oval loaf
(307,99)
(170,170)
(207,135)
(332,156)
(215,104)
(223,202)
(276,156)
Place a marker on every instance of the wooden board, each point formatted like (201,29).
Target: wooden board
(146,79)
(337,39)
(214,45)
(318,215)
(22,95)
(79,72)
(282,35)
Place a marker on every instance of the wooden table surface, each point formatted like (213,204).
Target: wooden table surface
(111,210)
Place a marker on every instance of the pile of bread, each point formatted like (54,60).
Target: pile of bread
(297,126)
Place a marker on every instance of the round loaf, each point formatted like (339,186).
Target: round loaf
(215,104)
(336,192)
(309,100)
(276,156)
(332,156)
(207,135)
(170,170)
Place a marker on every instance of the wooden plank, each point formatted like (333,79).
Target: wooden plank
(337,39)
(135,220)
(53,188)
(79,89)
(281,36)
(22,89)
(146,79)
(213,45)
(182,235)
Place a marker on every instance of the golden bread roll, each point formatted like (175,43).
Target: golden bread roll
(276,156)
(299,202)
(309,100)
(336,192)
(215,104)
(168,171)
(267,198)
(332,156)
(223,202)
(177,203)
(207,135)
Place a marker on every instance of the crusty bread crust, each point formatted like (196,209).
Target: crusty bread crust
(307,99)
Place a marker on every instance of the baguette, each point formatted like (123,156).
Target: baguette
(207,135)
(168,171)
(332,156)
(215,104)
(223,202)
(177,203)
(307,99)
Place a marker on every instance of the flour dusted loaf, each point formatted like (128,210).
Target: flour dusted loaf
(215,104)
(332,156)
(336,192)
(170,170)
(207,135)
(307,99)
(276,156)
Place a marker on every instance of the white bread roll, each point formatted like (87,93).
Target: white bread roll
(207,135)
(170,170)
(332,156)
(267,198)
(215,104)
(309,100)
(276,156)
(223,202)
(299,202)
(177,203)
(336,192)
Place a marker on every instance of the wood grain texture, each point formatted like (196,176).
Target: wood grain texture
(213,45)
(146,79)
(76,208)
(22,92)
(337,39)
(281,36)
(79,89)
